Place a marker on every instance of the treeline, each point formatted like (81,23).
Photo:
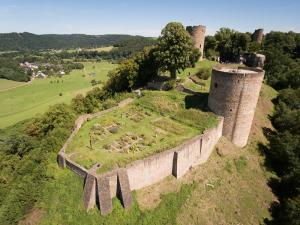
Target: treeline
(283,155)
(282,65)
(11,70)
(229,45)
(122,50)
(29,41)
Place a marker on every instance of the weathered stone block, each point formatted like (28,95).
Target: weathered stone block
(89,192)
(104,198)
(61,161)
(124,192)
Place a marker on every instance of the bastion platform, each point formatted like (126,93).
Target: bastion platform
(136,144)
(142,141)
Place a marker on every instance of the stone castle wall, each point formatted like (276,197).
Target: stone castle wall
(141,173)
(258,35)
(234,96)
(176,162)
(198,35)
(255,60)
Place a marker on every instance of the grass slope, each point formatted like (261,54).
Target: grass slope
(228,189)
(9,84)
(24,102)
(62,204)
(231,189)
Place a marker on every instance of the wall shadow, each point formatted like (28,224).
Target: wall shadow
(196,100)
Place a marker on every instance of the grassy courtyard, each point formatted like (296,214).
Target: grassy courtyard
(25,102)
(153,123)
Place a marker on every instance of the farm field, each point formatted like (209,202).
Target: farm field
(9,84)
(99,49)
(156,122)
(25,102)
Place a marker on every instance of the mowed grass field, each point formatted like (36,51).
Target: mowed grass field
(25,102)
(9,84)
(99,49)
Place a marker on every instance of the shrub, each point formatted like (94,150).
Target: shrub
(203,73)
(240,163)
(169,85)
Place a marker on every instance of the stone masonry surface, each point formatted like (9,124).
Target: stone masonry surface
(89,192)
(198,35)
(100,189)
(234,95)
(258,35)
(152,169)
(124,188)
(104,197)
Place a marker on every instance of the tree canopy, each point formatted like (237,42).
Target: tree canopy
(175,49)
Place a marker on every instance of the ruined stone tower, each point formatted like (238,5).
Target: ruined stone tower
(258,35)
(198,35)
(233,95)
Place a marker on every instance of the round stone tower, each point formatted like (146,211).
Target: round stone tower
(258,35)
(198,35)
(233,95)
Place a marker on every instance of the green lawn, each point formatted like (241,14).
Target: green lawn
(199,65)
(155,122)
(7,84)
(188,83)
(25,102)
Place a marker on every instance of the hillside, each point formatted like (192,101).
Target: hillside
(231,188)
(29,41)
(26,101)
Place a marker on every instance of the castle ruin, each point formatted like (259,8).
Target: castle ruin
(234,94)
(258,35)
(198,36)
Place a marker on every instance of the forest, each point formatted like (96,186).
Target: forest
(29,41)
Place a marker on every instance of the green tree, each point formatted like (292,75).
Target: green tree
(175,50)
(134,72)
(77,103)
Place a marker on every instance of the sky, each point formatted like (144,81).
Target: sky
(145,18)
